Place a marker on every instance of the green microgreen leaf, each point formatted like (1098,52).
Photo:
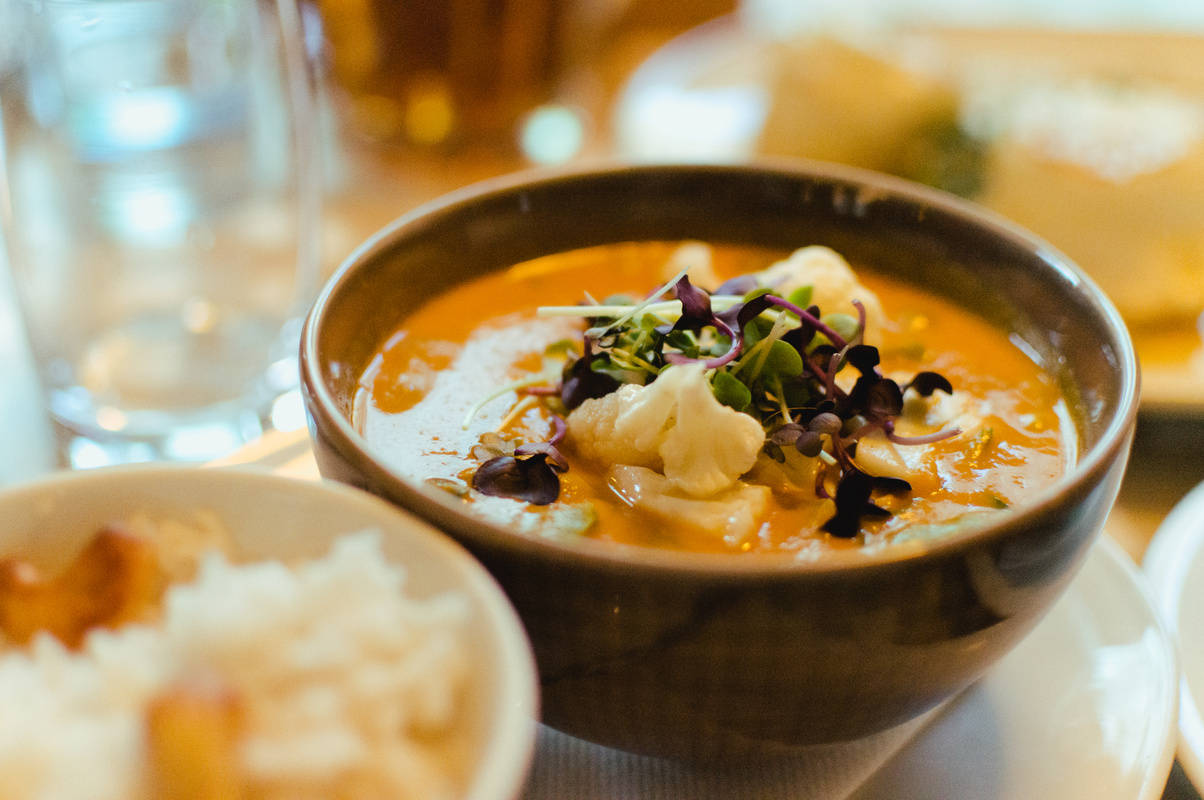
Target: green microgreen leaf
(562,348)
(844,324)
(776,393)
(730,391)
(759,353)
(801,296)
(782,360)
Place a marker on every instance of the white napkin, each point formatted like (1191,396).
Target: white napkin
(566,768)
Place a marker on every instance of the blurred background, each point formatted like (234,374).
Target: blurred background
(1082,120)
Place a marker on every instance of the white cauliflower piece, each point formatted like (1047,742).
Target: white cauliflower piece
(922,415)
(733,513)
(794,473)
(699,258)
(957,410)
(592,431)
(914,463)
(710,445)
(834,285)
(673,424)
(917,463)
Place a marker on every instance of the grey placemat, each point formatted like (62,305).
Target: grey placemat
(566,768)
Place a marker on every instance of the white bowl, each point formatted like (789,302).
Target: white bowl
(269,516)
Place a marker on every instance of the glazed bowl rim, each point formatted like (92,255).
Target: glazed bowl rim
(1112,444)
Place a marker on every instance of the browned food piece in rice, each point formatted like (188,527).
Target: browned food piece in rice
(114,579)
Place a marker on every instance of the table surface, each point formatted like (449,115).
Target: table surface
(372,188)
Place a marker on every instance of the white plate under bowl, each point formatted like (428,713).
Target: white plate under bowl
(1174,564)
(1083,709)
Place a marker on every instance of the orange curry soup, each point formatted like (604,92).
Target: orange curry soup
(463,345)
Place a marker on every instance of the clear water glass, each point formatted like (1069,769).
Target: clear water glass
(160,203)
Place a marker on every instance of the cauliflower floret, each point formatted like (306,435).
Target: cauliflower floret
(732,513)
(698,257)
(592,431)
(796,472)
(914,463)
(674,424)
(834,285)
(957,410)
(922,415)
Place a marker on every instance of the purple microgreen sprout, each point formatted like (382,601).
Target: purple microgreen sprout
(738,286)
(861,320)
(854,492)
(788,434)
(805,315)
(828,374)
(696,311)
(548,448)
(925,383)
(597,332)
(531,473)
(854,501)
(532,479)
(696,315)
(802,438)
(580,381)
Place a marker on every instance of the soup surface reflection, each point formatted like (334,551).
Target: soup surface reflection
(476,371)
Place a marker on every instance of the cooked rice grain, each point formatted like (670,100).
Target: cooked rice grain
(347,685)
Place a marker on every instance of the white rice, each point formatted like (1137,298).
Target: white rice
(346,684)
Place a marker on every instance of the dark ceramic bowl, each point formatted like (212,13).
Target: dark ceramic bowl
(692,655)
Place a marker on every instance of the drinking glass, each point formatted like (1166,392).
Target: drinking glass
(160,202)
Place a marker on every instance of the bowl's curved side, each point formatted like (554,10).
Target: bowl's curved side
(673,655)
(703,665)
(271,517)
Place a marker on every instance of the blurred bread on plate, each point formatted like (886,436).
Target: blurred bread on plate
(834,101)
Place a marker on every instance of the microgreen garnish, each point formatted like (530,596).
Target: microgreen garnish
(928,382)
(854,500)
(581,382)
(521,383)
(774,358)
(529,472)
(532,479)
